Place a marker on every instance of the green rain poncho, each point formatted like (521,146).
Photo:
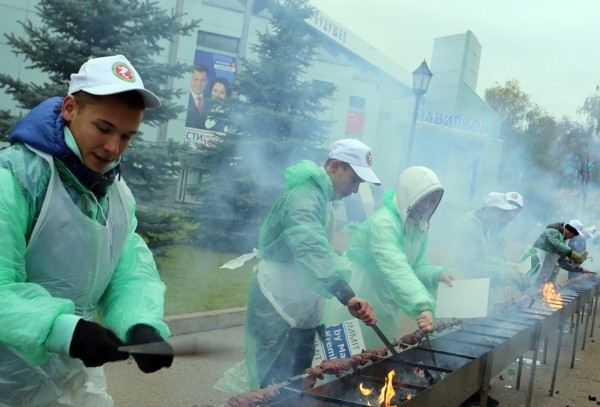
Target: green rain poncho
(389,263)
(480,249)
(297,228)
(298,269)
(547,249)
(34,323)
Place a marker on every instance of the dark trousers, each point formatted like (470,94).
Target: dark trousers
(280,350)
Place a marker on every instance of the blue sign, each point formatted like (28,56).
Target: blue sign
(453,121)
(342,341)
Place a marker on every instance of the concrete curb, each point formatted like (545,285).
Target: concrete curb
(206,321)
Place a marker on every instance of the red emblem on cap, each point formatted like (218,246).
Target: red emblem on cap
(514,196)
(369,159)
(123,71)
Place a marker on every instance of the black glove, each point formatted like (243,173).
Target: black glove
(95,345)
(148,363)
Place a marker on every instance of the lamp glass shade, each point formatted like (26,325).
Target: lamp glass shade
(421,78)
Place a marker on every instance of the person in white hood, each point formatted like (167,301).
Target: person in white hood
(388,257)
(480,244)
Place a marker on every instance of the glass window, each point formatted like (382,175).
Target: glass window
(357,102)
(217,41)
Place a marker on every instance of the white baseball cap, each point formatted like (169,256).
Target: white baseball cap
(358,155)
(577,225)
(507,201)
(108,76)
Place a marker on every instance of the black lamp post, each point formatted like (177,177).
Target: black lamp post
(421,78)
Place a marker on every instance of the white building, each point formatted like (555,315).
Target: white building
(456,132)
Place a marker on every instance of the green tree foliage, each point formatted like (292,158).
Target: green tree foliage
(563,152)
(72,31)
(511,103)
(591,112)
(530,140)
(6,122)
(69,33)
(527,130)
(274,121)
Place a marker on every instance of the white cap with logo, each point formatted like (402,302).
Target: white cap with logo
(577,225)
(358,155)
(503,200)
(108,76)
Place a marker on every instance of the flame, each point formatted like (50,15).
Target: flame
(364,391)
(409,397)
(551,297)
(386,394)
(387,391)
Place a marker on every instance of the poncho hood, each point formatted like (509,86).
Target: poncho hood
(307,171)
(414,184)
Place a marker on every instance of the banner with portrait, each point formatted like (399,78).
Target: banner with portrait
(210,82)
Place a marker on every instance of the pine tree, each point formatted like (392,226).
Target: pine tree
(275,122)
(70,32)
(6,122)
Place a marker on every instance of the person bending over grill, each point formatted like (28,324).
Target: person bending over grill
(70,253)
(481,244)
(299,267)
(579,244)
(546,251)
(388,256)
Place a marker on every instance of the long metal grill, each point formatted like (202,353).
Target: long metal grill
(463,361)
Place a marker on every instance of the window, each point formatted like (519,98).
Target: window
(357,102)
(217,41)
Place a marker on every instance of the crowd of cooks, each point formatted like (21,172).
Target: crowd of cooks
(77,283)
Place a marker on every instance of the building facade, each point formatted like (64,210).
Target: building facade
(456,132)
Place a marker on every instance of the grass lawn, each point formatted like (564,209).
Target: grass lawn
(195,282)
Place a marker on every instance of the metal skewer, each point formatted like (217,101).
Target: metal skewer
(428,343)
(385,340)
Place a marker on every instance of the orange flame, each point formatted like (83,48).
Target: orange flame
(551,297)
(365,392)
(387,391)
(409,397)
(386,394)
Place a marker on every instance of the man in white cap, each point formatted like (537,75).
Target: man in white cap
(76,281)
(299,268)
(548,248)
(480,250)
(577,243)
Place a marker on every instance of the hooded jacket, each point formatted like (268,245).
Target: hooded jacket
(297,229)
(135,294)
(552,240)
(388,253)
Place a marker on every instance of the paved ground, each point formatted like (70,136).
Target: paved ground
(190,379)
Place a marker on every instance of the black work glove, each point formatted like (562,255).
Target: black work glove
(95,345)
(149,363)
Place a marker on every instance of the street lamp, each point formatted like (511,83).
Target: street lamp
(421,78)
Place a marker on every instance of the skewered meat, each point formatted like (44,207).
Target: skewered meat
(334,366)
(254,398)
(338,366)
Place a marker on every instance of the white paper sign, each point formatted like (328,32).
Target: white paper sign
(465,299)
